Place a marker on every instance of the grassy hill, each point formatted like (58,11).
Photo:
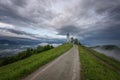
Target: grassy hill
(96,66)
(26,66)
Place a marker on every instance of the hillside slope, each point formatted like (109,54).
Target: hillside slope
(97,66)
(21,68)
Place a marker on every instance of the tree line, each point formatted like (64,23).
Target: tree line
(24,54)
(75,41)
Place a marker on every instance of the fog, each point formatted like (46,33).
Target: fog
(53,44)
(115,53)
(10,50)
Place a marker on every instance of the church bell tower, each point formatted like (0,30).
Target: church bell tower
(68,38)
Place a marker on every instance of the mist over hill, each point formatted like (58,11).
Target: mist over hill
(11,46)
(109,50)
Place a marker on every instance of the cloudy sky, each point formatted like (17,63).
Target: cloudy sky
(91,21)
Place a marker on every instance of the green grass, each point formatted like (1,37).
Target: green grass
(109,60)
(17,70)
(93,69)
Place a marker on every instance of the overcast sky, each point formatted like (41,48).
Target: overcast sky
(91,21)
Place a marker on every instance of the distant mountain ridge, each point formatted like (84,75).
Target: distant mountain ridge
(3,41)
(17,42)
(25,41)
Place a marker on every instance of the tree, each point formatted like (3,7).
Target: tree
(72,40)
(77,42)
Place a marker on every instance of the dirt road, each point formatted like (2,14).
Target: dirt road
(65,67)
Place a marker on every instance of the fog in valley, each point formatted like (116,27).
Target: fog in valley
(114,53)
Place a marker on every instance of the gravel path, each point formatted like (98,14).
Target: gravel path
(65,67)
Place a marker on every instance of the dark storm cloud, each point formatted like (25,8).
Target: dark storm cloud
(9,13)
(20,3)
(18,32)
(115,13)
(18,12)
(92,20)
(111,31)
(68,29)
(104,31)
(110,35)
(112,8)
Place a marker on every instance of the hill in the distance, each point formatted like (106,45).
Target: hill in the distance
(107,47)
(109,50)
